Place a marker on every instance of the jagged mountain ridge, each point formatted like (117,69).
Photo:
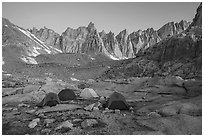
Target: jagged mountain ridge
(122,46)
(197,20)
(89,41)
(172,28)
(15,35)
(179,55)
(20,45)
(48,36)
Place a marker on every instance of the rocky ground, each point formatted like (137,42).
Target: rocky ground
(162,83)
(159,106)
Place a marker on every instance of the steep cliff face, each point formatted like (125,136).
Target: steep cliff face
(125,44)
(72,39)
(48,36)
(19,46)
(88,40)
(111,44)
(81,40)
(108,41)
(93,42)
(179,55)
(122,46)
(141,40)
(172,28)
(187,45)
(197,20)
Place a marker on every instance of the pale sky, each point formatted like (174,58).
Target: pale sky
(106,16)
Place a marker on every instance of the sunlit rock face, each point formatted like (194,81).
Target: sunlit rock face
(172,28)
(197,20)
(88,40)
(48,36)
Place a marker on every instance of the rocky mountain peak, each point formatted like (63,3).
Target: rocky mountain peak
(86,38)
(102,33)
(197,21)
(68,30)
(48,36)
(110,33)
(91,27)
(6,22)
(139,32)
(172,28)
(124,32)
(150,30)
(45,28)
(184,24)
(34,30)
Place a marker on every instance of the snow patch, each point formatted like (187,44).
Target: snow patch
(25,32)
(3,61)
(33,52)
(42,43)
(48,51)
(124,58)
(31,36)
(179,78)
(7,74)
(6,25)
(57,50)
(29,60)
(113,58)
(93,58)
(74,79)
(190,80)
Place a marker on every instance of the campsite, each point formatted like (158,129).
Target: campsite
(109,107)
(101,68)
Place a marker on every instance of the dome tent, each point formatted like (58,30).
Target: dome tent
(117,101)
(88,93)
(67,94)
(50,99)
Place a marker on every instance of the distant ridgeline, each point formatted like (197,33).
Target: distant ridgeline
(89,41)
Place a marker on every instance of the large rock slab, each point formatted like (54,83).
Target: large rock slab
(170,110)
(16,98)
(10,91)
(30,88)
(176,125)
(176,107)
(88,123)
(190,109)
(34,123)
(173,80)
(65,124)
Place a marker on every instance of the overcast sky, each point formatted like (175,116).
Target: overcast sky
(106,16)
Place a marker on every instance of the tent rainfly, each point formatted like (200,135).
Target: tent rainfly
(117,101)
(67,94)
(88,93)
(50,99)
